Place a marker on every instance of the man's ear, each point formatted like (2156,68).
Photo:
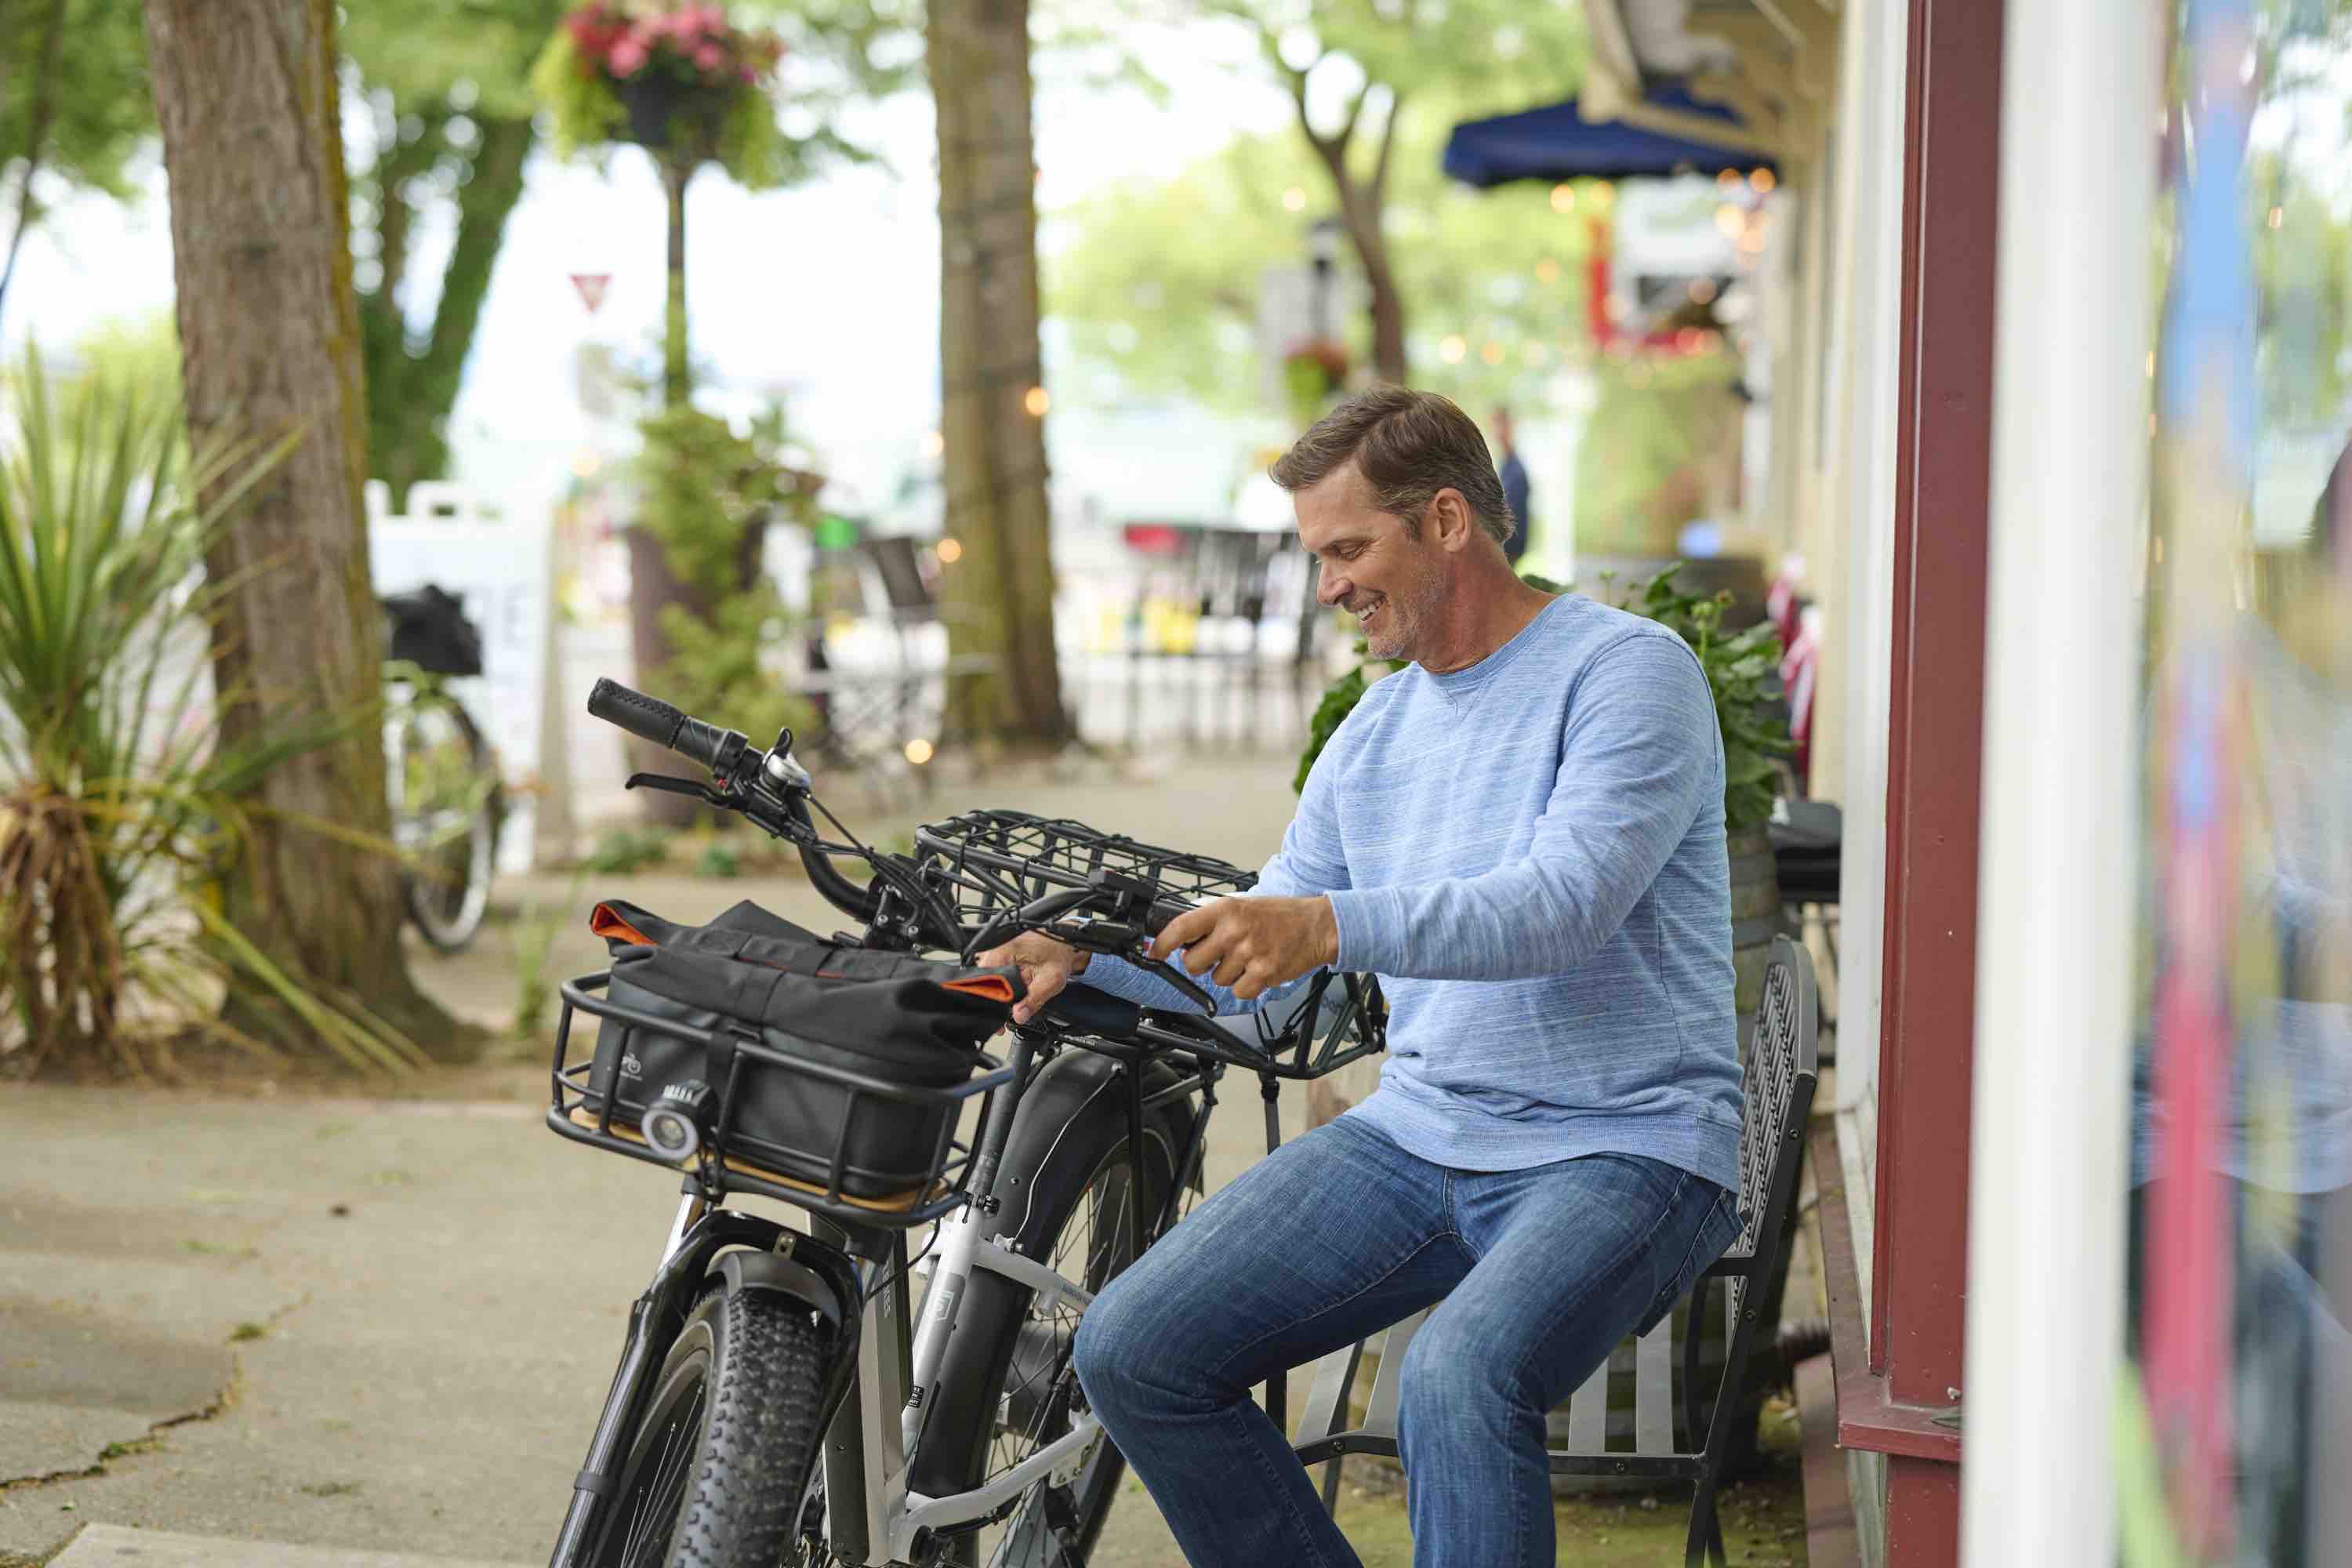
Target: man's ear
(1451,524)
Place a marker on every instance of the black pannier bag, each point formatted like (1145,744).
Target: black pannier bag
(431,630)
(908,1021)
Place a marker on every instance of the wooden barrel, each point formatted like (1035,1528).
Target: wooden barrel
(1756,920)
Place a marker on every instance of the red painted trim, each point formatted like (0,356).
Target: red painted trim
(1936,715)
(1923,1514)
(1869,1416)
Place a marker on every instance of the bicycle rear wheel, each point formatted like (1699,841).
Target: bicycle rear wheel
(715,1471)
(441,784)
(1007,1385)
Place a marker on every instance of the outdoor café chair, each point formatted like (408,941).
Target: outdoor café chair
(1777,1095)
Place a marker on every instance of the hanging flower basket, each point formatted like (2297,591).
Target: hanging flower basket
(679,81)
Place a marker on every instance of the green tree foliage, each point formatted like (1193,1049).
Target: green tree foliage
(1643,465)
(1158,280)
(73,105)
(1371,78)
(449,129)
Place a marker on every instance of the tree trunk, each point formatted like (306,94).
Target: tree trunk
(1000,591)
(411,391)
(678,383)
(246,97)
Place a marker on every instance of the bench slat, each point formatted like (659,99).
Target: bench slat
(1388,1384)
(1327,1400)
(1588,1414)
(1654,1390)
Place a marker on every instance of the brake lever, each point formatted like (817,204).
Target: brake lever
(668,784)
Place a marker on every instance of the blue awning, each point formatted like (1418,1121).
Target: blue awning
(1554,143)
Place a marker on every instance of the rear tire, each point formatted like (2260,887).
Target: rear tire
(1017,1360)
(715,1471)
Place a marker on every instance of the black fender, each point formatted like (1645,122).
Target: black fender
(1072,1115)
(833,1299)
(1076,1110)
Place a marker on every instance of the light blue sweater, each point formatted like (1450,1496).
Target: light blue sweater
(1531,854)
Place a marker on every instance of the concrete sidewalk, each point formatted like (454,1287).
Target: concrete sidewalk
(387,1325)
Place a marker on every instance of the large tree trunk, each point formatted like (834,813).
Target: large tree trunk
(245,94)
(1000,589)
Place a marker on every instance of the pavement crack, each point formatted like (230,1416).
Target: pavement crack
(152,1439)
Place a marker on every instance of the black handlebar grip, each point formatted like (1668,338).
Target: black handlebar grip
(651,719)
(647,718)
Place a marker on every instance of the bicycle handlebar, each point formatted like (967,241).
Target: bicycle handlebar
(651,719)
(762,789)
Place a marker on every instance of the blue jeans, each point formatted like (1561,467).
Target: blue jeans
(1339,1234)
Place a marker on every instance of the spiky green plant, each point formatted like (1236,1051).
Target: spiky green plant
(120,803)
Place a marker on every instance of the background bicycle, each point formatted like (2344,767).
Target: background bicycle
(441,777)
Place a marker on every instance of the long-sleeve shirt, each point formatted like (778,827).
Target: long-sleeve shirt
(1529,853)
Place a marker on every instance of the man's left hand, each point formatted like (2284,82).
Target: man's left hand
(1254,944)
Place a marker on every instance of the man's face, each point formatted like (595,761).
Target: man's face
(1370,566)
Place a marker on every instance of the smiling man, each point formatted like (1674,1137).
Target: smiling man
(1521,833)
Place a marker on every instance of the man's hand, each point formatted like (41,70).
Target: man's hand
(1254,944)
(1045,967)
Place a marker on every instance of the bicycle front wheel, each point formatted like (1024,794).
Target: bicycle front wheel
(716,1470)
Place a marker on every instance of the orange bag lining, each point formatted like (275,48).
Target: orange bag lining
(607,922)
(994,987)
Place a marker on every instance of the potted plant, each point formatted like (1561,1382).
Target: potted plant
(687,85)
(681,81)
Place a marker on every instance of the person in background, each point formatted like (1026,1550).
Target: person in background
(1515,488)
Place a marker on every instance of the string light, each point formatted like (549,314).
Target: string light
(1701,289)
(1452,348)
(2278,216)
(1547,270)
(1726,178)
(1036,401)
(1563,198)
(919,750)
(933,444)
(585,462)
(1762,182)
(1294,200)
(949,552)
(1729,220)
(1491,351)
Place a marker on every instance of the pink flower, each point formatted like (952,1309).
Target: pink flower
(708,56)
(713,19)
(747,73)
(628,57)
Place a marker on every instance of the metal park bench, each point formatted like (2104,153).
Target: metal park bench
(1778,1092)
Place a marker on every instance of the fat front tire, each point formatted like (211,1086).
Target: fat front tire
(717,1467)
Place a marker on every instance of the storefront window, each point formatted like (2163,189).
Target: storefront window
(2235,1435)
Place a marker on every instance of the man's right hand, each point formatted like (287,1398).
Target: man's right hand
(1045,967)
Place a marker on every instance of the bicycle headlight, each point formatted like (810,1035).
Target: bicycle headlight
(678,1120)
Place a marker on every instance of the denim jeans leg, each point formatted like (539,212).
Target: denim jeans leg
(1572,1256)
(1336,1235)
